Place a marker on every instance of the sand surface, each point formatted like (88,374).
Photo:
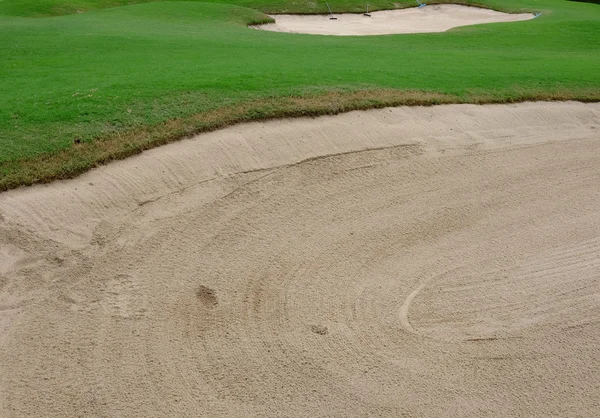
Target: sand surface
(440,261)
(434,18)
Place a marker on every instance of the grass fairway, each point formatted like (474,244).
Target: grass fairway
(84,88)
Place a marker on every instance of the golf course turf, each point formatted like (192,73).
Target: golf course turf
(80,89)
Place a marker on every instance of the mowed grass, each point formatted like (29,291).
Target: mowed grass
(43,8)
(81,89)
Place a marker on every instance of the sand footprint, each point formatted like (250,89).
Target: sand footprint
(123,297)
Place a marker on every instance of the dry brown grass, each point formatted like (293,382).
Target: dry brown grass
(84,156)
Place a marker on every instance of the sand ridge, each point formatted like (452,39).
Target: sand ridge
(431,18)
(420,261)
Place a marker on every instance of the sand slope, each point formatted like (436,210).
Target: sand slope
(439,261)
(432,18)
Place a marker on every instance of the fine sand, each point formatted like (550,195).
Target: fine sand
(435,18)
(415,261)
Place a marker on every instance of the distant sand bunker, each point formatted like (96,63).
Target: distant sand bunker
(439,18)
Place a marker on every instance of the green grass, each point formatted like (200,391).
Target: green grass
(42,8)
(84,88)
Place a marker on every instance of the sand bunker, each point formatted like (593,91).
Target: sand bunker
(437,18)
(440,261)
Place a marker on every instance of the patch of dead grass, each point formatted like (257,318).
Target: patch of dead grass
(84,156)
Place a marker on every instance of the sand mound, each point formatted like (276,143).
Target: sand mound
(438,18)
(440,261)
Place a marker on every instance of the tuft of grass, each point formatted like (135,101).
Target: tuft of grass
(82,89)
